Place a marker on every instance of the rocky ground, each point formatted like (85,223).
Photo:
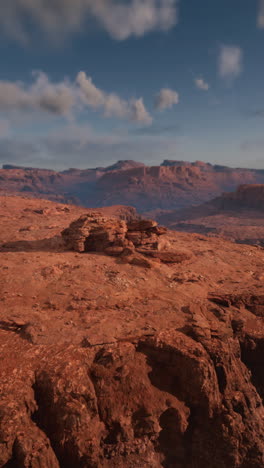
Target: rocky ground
(106,363)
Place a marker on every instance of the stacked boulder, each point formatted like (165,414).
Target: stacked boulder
(95,233)
(132,240)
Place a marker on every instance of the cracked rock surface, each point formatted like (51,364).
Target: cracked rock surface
(106,363)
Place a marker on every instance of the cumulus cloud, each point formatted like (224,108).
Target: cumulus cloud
(66,98)
(201,84)
(95,98)
(61,17)
(111,104)
(115,107)
(139,113)
(230,61)
(42,95)
(166,99)
(261,14)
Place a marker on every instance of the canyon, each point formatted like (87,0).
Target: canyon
(238,216)
(190,197)
(172,185)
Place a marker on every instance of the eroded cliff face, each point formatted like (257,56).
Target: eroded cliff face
(172,185)
(112,364)
(166,400)
(246,197)
(238,216)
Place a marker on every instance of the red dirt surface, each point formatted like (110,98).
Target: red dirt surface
(111,364)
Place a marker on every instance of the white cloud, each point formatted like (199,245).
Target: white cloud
(261,14)
(139,113)
(67,98)
(115,107)
(61,17)
(166,99)
(42,95)
(93,96)
(230,61)
(111,104)
(201,84)
(136,18)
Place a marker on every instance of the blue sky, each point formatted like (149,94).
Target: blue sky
(85,83)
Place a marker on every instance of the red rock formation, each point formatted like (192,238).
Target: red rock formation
(166,401)
(107,364)
(246,197)
(94,233)
(172,185)
(237,216)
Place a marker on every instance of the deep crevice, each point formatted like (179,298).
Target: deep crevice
(43,418)
(252,352)
(13,462)
(171,440)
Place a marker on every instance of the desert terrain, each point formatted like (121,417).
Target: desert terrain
(131,234)
(149,359)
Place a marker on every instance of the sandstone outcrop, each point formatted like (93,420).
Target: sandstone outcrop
(161,401)
(94,233)
(105,364)
(131,240)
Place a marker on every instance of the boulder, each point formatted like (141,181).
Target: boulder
(95,233)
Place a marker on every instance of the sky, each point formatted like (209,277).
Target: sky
(84,83)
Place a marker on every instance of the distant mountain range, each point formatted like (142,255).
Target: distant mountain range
(171,186)
(238,216)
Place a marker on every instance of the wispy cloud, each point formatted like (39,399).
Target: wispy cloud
(200,83)
(58,18)
(166,99)
(68,98)
(261,14)
(230,62)
(83,146)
